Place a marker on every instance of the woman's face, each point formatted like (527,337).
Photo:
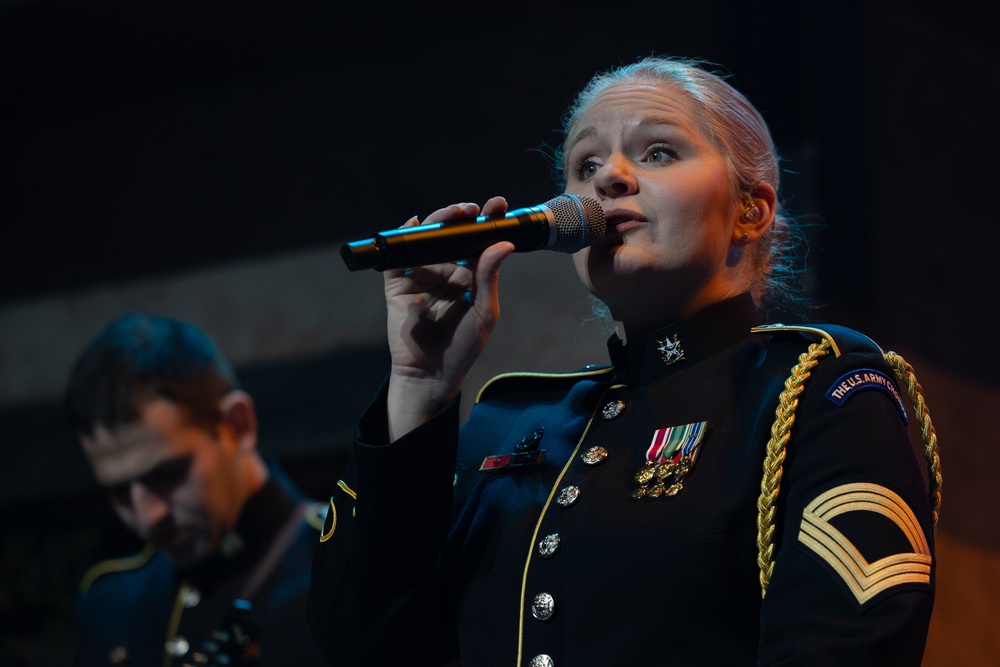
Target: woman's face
(666,196)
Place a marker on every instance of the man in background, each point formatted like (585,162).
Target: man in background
(229,539)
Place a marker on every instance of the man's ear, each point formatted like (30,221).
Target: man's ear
(755,214)
(239,417)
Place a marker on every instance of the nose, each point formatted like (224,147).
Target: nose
(615,178)
(149,507)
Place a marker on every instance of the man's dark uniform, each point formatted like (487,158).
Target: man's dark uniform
(247,607)
(552,556)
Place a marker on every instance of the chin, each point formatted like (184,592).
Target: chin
(596,264)
(618,268)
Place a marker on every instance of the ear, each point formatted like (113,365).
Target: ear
(239,418)
(754,214)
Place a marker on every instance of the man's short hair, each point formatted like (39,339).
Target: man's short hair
(138,358)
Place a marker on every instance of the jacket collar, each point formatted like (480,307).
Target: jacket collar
(683,343)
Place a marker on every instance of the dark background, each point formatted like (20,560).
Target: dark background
(228,130)
(150,139)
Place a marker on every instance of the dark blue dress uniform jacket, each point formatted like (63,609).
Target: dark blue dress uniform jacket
(426,558)
(124,616)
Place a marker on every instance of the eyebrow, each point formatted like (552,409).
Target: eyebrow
(165,466)
(648,120)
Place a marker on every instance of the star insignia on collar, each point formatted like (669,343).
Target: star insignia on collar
(670,351)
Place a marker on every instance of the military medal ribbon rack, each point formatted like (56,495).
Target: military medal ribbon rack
(669,460)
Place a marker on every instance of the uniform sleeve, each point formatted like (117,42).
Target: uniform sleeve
(374,597)
(853,576)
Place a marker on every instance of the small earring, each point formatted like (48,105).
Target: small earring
(750,210)
(744,238)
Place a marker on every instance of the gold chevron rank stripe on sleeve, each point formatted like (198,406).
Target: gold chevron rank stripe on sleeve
(865,580)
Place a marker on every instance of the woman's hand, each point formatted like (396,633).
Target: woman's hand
(439,320)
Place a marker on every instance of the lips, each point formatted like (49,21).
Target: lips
(621,221)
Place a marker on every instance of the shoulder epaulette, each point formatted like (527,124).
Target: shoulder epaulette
(113,565)
(840,338)
(507,382)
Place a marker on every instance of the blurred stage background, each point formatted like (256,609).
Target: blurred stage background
(207,160)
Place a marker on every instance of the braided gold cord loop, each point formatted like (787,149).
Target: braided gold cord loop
(780,432)
(904,372)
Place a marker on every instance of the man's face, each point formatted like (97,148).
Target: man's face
(173,483)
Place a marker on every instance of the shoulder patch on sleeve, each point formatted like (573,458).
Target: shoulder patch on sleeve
(865,580)
(862,379)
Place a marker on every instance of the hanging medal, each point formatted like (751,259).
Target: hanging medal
(669,459)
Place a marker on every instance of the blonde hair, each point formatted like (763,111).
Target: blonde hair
(739,132)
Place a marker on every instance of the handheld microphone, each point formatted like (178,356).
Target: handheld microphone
(566,223)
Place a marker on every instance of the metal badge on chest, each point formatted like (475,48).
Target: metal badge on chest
(526,453)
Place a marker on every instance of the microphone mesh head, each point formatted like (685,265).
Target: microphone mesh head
(579,222)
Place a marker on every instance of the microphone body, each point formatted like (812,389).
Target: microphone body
(566,223)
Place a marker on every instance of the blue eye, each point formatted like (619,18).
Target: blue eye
(660,154)
(586,169)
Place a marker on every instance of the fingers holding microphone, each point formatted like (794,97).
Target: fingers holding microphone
(453,304)
(487,265)
(440,317)
(437,275)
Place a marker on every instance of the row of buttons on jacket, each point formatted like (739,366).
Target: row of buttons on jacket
(543,605)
